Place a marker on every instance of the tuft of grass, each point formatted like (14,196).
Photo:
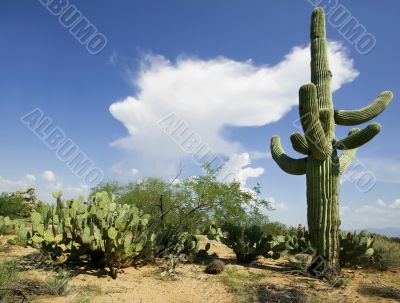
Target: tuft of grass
(285,294)
(382,291)
(236,282)
(389,250)
(88,292)
(4,248)
(8,272)
(57,285)
(313,298)
(14,288)
(247,287)
(242,285)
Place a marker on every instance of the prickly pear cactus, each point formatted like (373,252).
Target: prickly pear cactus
(357,249)
(322,164)
(110,234)
(248,242)
(8,226)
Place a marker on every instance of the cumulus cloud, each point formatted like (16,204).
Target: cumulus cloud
(44,186)
(31,178)
(49,176)
(277,205)
(237,168)
(121,169)
(395,204)
(8,185)
(134,171)
(210,94)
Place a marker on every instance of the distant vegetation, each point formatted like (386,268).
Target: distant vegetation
(121,225)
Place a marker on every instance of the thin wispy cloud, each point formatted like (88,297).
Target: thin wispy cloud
(380,214)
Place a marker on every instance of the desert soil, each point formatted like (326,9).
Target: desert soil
(146,285)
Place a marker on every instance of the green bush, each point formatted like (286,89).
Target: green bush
(389,250)
(8,226)
(110,234)
(186,207)
(19,204)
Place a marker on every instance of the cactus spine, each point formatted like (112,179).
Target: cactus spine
(322,164)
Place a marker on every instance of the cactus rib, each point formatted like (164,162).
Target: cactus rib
(299,143)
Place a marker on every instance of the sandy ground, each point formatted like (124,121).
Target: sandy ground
(146,285)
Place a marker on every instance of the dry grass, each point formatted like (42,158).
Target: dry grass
(15,287)
(247,287)
(241,285)
(390,252)
(379,290)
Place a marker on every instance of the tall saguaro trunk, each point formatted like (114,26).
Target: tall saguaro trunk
(323,208)
(322,164)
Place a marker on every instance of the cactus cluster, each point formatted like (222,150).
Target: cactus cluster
(248,242)
(8,226)
(357,249)
(322,164)
(111,234)
(299,242)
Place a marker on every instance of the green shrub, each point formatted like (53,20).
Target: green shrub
(8,226)
(389,249)
(111,234)
(188,206)
(19,204)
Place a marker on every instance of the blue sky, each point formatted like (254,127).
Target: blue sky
(213,63)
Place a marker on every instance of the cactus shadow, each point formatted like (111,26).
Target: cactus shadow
(255,264)
(88,270)
(39,261)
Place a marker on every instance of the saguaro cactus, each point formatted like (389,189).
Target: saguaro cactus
(322,164)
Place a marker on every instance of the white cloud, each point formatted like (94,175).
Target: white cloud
(237,168)
(381,202)
(209,95)
(44,187)
(121,169)
(49,176)
(7,185)
(134,171)
(374,215)
(277,205)
(31,178)
(395,204)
